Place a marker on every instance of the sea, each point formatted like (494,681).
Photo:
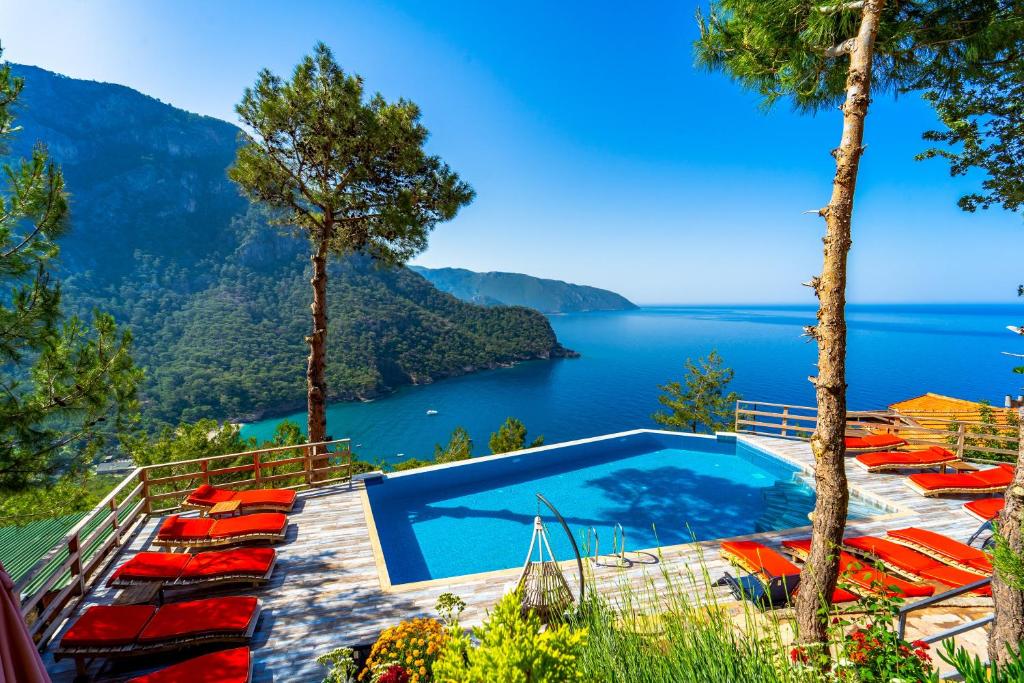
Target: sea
(895,352)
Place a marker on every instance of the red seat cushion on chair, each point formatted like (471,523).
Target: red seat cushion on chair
(108,626)
(1000,475)
(254,561)
(226,666)
(175,527)
(986,508)
(256,523)
(197,617)
(265,497)
(933,455)
(152,566)
(209,495)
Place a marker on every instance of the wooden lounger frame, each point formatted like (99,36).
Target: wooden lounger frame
(221,540)
(954,491)
(894,467)
(850,586)
(250,507)
(937,556)
(199,581)
(83,655)
(904,573)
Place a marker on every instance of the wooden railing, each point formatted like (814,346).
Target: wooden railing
(56,585)
(972,439)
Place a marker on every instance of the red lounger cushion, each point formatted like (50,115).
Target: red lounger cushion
(209,495)
(198,617)
(986,508)
(945,546)
(247,561)
(177,528)
(108,626)
(148,566)
(226,666)
(861,574)
(982,479)
(934,455)
(265,497)
(772,563)
(874,441)
(914,562)
(256,523)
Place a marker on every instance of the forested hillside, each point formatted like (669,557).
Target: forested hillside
(219,303)
(516,289)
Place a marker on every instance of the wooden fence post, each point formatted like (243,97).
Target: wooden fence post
(736,419)
(307,465)
(961,433)
(75,553)
(147,504)
(204,469)
(257,473)
(785,420)
(114,523)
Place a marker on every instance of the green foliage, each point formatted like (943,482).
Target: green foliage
(512,648)
(460,447)
(449,607)
(341,665)
(511,436)
(191,440)
(411,464)
(340,167)
(64,496)
(973,670)
(67,388)
(700,401)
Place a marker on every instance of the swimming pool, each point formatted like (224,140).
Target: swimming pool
(663,488)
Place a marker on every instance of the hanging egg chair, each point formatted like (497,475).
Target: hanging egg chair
(542,586)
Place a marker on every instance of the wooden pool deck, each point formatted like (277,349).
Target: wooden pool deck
(326,591)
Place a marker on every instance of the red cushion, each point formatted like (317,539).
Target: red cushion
(945,546)
(986,508)
(1001,475)
(881,440)
(861,574)
(175,527)
(899,556)
(256,523)
(196,617)
(209,495)
(265,497)
(248,561)
(761,557)
(955,577)
(226,666)
(925,457)
(108,626)
(147,565)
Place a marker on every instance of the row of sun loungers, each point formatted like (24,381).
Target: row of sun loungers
(119,630)
(914,560)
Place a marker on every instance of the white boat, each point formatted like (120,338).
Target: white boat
(1015,330)
(431,412)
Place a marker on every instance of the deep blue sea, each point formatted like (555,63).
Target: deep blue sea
(895,352)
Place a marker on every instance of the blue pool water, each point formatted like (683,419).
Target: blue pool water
(895,352)
(663,490)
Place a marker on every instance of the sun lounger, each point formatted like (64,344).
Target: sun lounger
(253,500)
(992,480)
(203,532)
(773,580)
(883,461)
(225,666)
(863,576)
(945,549)
(183,570)
(106,631)
(873,442)
(912,564)
(984,509)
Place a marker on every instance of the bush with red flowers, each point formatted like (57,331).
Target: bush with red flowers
(876,653)
(394,674)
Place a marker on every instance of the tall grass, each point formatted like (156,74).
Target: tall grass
(677,630)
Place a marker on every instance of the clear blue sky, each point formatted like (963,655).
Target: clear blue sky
(599,154)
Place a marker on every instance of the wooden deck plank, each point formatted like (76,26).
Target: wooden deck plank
(325,591)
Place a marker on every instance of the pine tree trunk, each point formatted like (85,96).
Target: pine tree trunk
(1008,629)
(820,573)
(316,368)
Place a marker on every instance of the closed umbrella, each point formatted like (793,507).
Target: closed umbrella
(19,659)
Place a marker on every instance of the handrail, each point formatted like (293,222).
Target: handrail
(940,597)
(59,581)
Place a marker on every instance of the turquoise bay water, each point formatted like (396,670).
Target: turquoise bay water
(895,352)
(663,490)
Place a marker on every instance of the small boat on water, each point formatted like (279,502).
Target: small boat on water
(431,412)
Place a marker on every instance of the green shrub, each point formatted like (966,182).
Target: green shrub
(512,649)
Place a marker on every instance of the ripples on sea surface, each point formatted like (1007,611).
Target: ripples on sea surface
(895,352)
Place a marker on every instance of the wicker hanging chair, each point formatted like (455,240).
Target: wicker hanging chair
(543,589)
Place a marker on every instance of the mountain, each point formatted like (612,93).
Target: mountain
(516,289)
(218,301)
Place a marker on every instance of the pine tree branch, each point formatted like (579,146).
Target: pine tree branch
(832,9)
(843,48)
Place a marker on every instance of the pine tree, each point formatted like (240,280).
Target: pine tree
(819,54)
(345,172)
(511,436)
(66,388)
(699,402)
(460,447)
